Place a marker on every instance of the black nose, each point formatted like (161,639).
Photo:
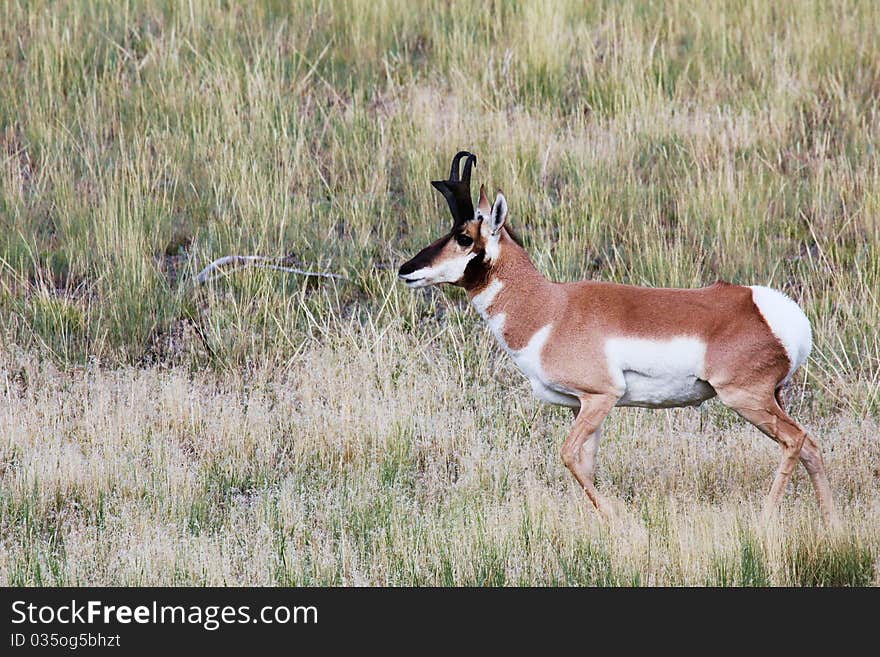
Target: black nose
(407,268)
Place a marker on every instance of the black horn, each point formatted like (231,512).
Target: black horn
(457,190)
(471,160)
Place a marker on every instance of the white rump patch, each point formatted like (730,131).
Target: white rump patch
(659,373)
(787,322)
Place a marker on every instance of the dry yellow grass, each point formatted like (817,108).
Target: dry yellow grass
(376,460)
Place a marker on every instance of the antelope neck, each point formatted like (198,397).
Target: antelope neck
(513,295)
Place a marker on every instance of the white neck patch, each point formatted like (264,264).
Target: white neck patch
(484,299)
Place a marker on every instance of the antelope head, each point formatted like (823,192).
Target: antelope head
(473,240)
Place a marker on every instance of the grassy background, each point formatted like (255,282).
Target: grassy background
(267,428)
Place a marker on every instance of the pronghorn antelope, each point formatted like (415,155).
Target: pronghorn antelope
(592,345)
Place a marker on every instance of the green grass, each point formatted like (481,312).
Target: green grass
(642,142)
(831,563)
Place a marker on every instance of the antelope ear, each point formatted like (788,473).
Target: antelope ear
(499,213)
(483,205)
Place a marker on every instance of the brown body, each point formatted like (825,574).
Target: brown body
(584,313)
(593,345)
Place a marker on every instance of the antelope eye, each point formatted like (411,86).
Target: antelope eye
(463,240)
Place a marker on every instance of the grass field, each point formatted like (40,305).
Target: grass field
(271,429)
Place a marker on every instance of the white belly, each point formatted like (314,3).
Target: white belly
(658,373)
(664,391)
